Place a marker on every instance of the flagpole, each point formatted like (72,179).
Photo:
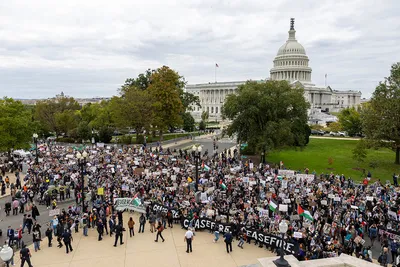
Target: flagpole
(215,74)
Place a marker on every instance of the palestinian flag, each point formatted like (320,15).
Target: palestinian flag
(206,168)
(223,186)
(136,200)
(272,205)
(305,213)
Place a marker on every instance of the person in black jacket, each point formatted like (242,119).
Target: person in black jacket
(49,234)
(100,229)
(35,212)
(60,232)
(228,241)
(118,234)
(67,238)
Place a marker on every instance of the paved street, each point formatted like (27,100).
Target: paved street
(16,220)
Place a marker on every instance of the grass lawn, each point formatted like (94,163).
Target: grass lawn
(328,155)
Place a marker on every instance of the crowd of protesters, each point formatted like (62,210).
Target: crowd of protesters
(342,215)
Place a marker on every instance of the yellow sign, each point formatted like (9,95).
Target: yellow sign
(100,191)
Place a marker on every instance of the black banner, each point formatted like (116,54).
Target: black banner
(264,238)
(209,224)
(164,209)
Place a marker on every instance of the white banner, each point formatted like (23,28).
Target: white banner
(308,177)
(286,173)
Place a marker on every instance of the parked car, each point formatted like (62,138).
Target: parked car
(317,132)
(180,131)
(341,134)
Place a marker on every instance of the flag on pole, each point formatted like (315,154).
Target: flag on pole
(216,65)
(223,186)
(206,168)
(305,213)
(272,205)
(136,200)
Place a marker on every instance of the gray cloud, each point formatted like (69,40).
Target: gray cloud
(88,48)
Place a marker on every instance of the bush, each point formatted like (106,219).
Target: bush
(125,139)
(140,139)
(105,134)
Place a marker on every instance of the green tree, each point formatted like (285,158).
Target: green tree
(84,131)
(350,119)
(335,126)
(190,101)
(133,109)
(105,134)
(268,115)
(66,121)
(360,151)
(142,82)
(166,89)
(380,118)
(16,125)
(202,125)
(188,122)
(49,113)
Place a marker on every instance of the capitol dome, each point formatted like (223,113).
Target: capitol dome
(291,47)
(291,61)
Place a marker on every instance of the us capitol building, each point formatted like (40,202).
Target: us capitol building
(290,64)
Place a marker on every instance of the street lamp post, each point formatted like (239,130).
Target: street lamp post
(6,254)
(82,162)
(35,139)
(197,155)
(281,262)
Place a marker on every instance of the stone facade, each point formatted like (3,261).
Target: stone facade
(291,64)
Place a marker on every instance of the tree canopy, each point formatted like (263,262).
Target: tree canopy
(381,116)
(350,119)
(268,115)
(16,126)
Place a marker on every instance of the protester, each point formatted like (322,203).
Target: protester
(188,239)
(131,224)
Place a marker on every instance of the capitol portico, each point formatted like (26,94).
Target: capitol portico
(291,64)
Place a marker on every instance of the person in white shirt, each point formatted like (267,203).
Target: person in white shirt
(188,239)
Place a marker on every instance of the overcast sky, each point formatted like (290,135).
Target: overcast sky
(88,48)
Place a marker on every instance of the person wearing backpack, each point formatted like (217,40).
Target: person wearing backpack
(142,222)
(373,233)
(160,228)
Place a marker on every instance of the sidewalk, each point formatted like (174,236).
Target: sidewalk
(142,251)
(12,180)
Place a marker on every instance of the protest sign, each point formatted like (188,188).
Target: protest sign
(283,207)
(100,191)
(286,173)
(138,171)
(298,235)
(295,217)
(305,177)
(125,187)
(324,202)
(337,199)
(54,212)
